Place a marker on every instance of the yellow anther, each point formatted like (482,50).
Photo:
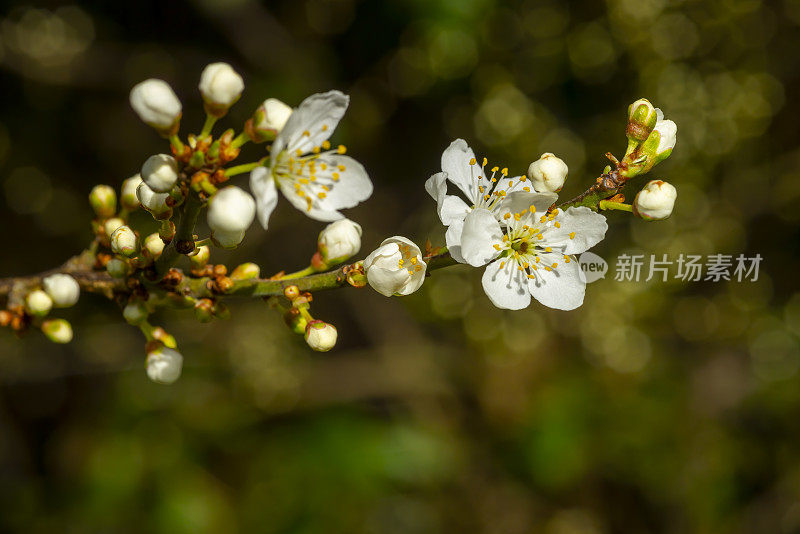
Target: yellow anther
(312,178)
(532,277)
(480,188)
(326,144)
(299,152)
(572,235)
(324,128)
(485,161)
(526,265)
(532,207)
(326,187)
(414,260)
(502,264)
(566,259)
(557,224)
(554,265)
(505,237)
(526,189)
(496,246)
(543,219)
(418,268)
(547,268)
(523,178)
(495,168)
(342,149)
(341,168)
(315,150)
(306,134)
(323,166)
(507,216)
(540,237)
(400,262)
(548,249)
(537,259)
(486,197)
(321,195)
(472,161)
(303,181)
(517,217)
(555,212)
(519,268)
(335,175)
(504,172)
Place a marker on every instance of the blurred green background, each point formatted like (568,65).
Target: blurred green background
(656,407)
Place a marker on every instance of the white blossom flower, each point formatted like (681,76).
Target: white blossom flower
(164,365)
(128,198)
(124,241)
(38,303)
(314,177)
(221,87)
(57,330)
(536,253)
(396,267)
(339,240)
(270,118)
(482,190)
(231,210)
(156,104)
(655,201)
(62,289)
(548,173)
(160,172)
(321,336)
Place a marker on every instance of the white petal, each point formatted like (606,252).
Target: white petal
(312,122)
(387,282)
(589,229)
(480,235)
(562,288)
(436,186)
(353,187)
(456,163)
(453,209)
(505,285)
(520,201)
(263,187)
(453,239)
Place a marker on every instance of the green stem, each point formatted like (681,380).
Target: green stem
(240,140)
(176,143)
(241,169)
(298,274)
(210,121)
(202,242)
(185,232)
(620,206)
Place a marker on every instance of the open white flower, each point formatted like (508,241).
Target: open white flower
(396,267)
(314,177)
(535,254)
(484,190)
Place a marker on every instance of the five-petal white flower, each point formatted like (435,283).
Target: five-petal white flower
(314,177)
(536,254)
(483,190)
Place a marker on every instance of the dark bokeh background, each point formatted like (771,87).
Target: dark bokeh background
(656,407)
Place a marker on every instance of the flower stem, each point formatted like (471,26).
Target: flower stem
(241,169)
(240,139)
(176,143)
(298,274)
(210,120)
(620,206)
(185,232)
(202,242)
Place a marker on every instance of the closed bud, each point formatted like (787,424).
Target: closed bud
(230,211)
(118,268)
(660,143)
(396,267)
(269,119)
(221,87)
(246,271)
(135,312)
(655,201)
(200,257)
(339,241)
(157,105)
(204,310)
(167,232)
(103,199)
(642,117)
(63,290)
(124,241)
(227,240)
(160,172)
(320,335)
(154,244)
(155,203)
(128,198)
(57,330)
(38,303)
(295,320)
(548,173)
(164,365)
(110,226)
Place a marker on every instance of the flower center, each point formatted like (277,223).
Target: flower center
(491,189)
(408,259)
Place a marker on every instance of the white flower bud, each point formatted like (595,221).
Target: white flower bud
(117,268)
(135,312)
(668,134)
(221,87)
(38,303)
(156,104)
(642,117)
(548,173)
(62,289)
(160,172)
(112,224)
(103,199)
(321,336)
(231,210)
(200,257)
(270,118)
(396,267)
(155,203)
(655,201)
(124,241)
(57,330)
(227,239)
(154,244)
(339,240)
(245,271)
(164,365)
(128,198)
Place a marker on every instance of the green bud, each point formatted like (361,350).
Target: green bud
(118,268)
(204,310)
(103,199)
(642,118)
(200,257)
(38,303)
(57,330)
(135,312)
(246,271)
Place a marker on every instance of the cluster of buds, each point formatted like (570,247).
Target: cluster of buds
(56,291)
(319,335)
